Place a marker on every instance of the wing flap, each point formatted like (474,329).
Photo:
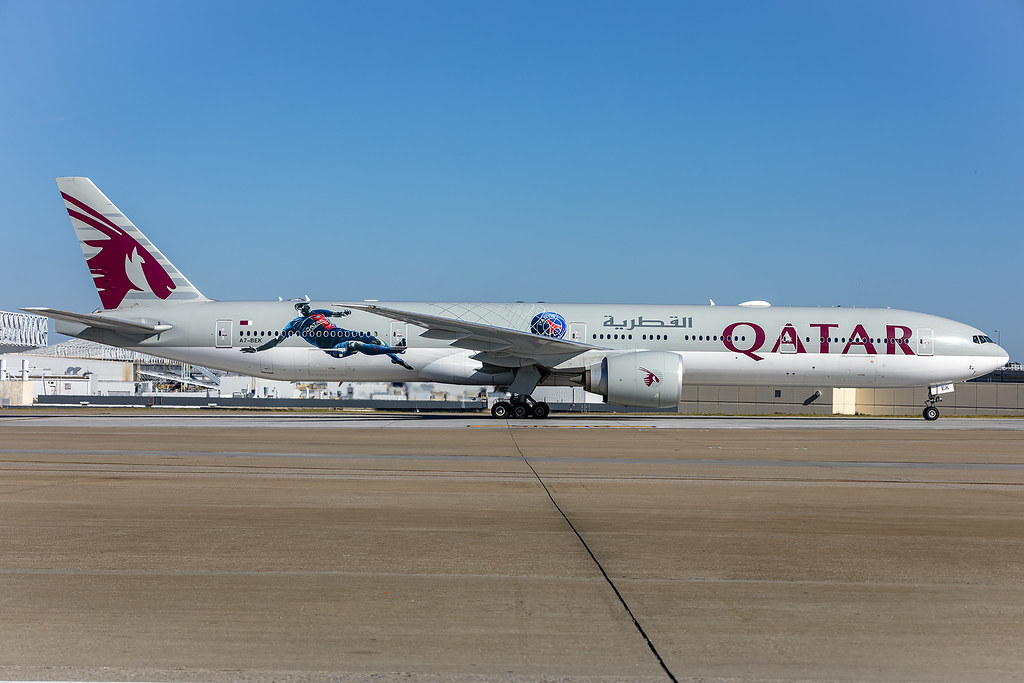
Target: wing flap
(479,344)
(442,335)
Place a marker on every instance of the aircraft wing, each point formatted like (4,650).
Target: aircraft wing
(492,341)
(100,321)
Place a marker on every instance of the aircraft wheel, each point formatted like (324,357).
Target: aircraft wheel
(541,410)
(519,411)
(501,410)
(931,413)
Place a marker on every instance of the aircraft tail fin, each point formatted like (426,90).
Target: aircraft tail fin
(127,269)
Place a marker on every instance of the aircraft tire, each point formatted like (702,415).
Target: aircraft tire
(519,411)
(931,413)
(501,410)
(541,410)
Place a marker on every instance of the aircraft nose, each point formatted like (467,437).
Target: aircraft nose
(995,358)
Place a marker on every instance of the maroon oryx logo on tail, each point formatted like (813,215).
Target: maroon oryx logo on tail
(117,254)
(651,378)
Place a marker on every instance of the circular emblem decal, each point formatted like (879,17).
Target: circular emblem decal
(548,324)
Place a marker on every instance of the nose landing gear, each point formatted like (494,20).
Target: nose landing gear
(931,413)
(520,406)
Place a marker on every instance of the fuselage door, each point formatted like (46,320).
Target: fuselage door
(925,341)
(578,332)
(399,334)
(787,339)
(223,334)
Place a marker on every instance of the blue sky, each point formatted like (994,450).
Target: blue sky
(807,153)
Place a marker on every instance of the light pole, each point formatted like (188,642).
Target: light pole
(999,337)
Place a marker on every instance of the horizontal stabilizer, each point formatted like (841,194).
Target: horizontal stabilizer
(132,327)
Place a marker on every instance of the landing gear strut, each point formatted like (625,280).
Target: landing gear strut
(931,413)
(520,406)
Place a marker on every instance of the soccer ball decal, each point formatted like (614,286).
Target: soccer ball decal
(548,324)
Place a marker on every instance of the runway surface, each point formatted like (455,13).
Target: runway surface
(88,417)
(204,545)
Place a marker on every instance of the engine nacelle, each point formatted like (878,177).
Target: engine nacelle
(648,379)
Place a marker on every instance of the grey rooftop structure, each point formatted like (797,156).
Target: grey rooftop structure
(21,331)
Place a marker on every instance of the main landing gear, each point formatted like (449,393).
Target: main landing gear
(520,406)
(931,413)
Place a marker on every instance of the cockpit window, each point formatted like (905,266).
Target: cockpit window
(983,339)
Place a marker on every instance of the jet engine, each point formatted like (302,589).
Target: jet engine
(648,379)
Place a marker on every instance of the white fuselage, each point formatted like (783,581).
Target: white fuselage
(732,345)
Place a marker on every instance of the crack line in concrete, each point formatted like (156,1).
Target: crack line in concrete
(597,562)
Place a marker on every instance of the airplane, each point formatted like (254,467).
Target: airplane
(632,355)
